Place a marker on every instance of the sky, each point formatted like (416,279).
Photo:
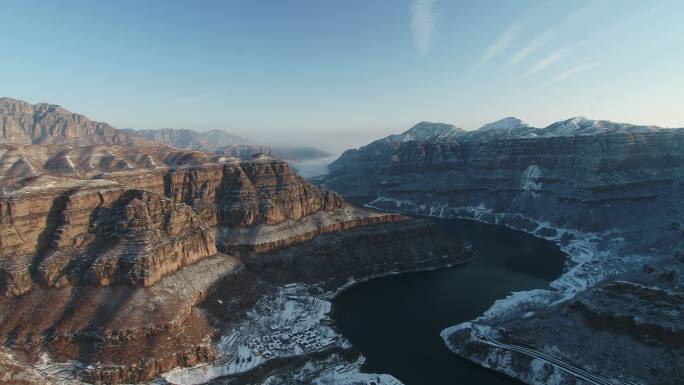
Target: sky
(338,74)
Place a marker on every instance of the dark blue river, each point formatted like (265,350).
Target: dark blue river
(395,321)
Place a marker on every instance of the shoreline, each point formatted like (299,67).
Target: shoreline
(335,293)
(590,259)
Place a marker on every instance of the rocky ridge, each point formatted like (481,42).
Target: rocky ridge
(96,233)
(220,142)
(214,142)
(186,139)
(608,194)
(23,123)
(115,250)
(511,128)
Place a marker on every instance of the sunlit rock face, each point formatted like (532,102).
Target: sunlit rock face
(96,233)
(110,244)
(43,123)
(136,226)
(247,193)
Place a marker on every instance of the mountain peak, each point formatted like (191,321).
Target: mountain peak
(14,105)
(426,131)
(580,125)
(430,128)
(44,123)
(508,123)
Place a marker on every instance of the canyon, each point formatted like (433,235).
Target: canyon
(174,257)
(122,258)
(608,194)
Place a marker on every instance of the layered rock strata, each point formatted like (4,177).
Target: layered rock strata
(43,123)
(336,260)
(122,334)
(264,239)
(96,233)
(609,194)
(116,252)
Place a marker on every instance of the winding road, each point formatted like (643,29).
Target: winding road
(486,338)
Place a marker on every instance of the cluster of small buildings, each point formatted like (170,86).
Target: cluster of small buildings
(285,339)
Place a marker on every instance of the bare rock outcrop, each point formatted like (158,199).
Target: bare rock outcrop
(110,244)
(96,233)
(122,333)
(21,122)
(237,193)
(609,194)
(644,312)
(269,238)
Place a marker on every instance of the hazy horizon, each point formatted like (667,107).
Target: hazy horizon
(338,75)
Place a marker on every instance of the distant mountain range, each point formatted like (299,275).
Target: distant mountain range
(24,123)
(191,140)
(608,194)
(222,142)
(512,128)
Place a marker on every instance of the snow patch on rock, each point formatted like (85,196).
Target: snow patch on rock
(529,180)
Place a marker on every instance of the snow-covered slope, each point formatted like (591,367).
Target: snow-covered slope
(511,128)
(583,126)
(426,131)
(608,193)
(507,128)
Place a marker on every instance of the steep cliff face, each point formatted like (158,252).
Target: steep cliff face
(108,242)
(237,193)
(269,192)
(21,162)
(609,194)
(269,238)
(21,122)
(102,272)
(642,311)
(96,233)
(223,190)
(336,259)
(614,173)
(96,271)
(135,227)
(121,333)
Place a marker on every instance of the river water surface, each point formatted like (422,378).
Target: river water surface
(395,321)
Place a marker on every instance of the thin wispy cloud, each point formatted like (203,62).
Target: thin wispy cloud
(573,71)
(423,24)
(542,39)
(499,46)
(535,44)
(548,60)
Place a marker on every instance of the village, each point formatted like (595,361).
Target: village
(288,323)
(285,340)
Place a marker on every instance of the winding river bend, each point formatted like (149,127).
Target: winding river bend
(395,321)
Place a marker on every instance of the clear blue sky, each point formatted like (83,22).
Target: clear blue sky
(338,73)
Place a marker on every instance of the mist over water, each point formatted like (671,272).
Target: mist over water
(313,167)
